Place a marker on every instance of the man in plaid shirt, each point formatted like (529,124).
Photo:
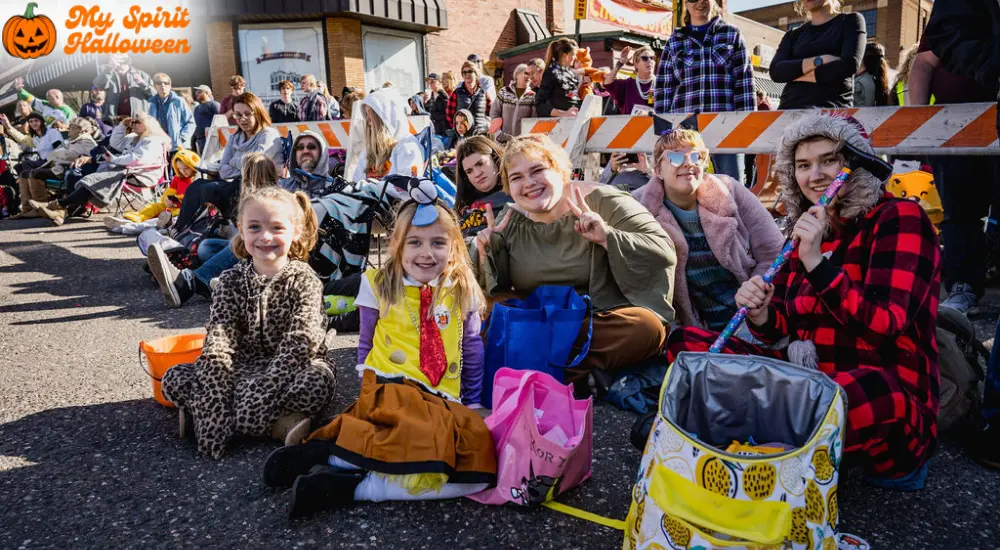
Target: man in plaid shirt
(859,300)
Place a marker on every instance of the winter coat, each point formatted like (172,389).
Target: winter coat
(43,144)
(297,182)
(559,90)
(149,152)
(513,109)
(438,109)
(179,119)
(742,235)
(407,156)
(478,103)
(418,101)
(139,92)
(266,140)
(61,157)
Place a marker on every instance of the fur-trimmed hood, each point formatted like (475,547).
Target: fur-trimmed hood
(862,190)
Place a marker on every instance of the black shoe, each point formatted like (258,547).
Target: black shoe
(324,488)
(985,445)
(287,463)
(185,423)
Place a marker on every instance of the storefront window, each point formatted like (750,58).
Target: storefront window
(271,53)
(394,56)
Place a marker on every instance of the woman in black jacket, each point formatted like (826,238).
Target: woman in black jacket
(558,95)
(818,60)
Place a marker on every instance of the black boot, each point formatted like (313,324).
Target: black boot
(324,488)
(287,463)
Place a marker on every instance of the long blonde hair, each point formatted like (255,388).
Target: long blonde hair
(449,82)
(457,279)
(152,125)
(378,142)
(303,218)
(800,8)
(903,72)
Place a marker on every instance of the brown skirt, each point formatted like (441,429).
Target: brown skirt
(398,429)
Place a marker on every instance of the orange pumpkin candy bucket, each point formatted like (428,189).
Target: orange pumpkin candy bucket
(163,353)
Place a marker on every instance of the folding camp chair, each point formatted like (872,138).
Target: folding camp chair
(134,196)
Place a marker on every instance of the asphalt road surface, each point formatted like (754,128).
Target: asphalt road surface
(89,460)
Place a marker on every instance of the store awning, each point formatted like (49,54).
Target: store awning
(422,15)
(771,88)
(530,27)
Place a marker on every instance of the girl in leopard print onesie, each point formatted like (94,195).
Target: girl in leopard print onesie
(263,369)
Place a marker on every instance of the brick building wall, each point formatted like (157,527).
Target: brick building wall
(899,23)
(221,56)
(485,27)
(344,53)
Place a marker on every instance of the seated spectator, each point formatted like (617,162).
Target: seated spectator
(179,286)
(52,107)
(143,145)
(40,140)
(591,237)
(263,370)
(172,112)
(722,234)
(22,109)
(309,155)
(858,299)
(477,183)
(185,165)
(620,171)
(463,128)
(515,101)
(389,148)
(314,105)
(284,109)
(255,134)
(94,109)
(79,144)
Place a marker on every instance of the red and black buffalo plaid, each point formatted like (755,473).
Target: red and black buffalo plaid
(871,308)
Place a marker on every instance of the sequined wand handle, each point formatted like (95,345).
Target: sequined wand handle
(786,252)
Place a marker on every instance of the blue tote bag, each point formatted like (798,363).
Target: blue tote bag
(536,334)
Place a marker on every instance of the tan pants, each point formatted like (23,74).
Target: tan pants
(622,337)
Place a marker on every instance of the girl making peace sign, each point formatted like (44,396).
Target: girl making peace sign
(594,238)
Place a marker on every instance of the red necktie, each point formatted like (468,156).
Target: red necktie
(432,357)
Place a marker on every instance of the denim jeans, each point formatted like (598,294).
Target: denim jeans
(991,387)
(730,165)
(210,247)
(967,186)
(215,265)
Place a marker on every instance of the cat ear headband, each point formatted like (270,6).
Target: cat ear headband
(422,192)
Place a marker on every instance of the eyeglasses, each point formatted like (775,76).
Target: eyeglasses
(237,114)
(646,58)
(677,158)
(307,147)
(468,72)
(161,83)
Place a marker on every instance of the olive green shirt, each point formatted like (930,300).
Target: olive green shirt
(636,269)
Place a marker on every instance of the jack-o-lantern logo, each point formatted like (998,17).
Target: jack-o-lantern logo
(30,36)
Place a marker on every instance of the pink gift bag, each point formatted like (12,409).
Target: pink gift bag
(543,438)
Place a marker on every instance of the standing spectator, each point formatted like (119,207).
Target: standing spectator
(514,102)
(206,110)
(314,105)
(333,111)
(172,112)
(284,109)
(536,68)
(128,89)
(438,104)
(633,92)
(899,94)
(470,95)
(957,64)
(348,102)
(52,107)
(705,67)
(818,60)
(485,80)
(764,101)
(449,82)
(871,84)
(558,94)
(416,104)
(237,86)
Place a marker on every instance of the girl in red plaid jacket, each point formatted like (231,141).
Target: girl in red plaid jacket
(858,300)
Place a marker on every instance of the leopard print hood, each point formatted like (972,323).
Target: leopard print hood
(863,189)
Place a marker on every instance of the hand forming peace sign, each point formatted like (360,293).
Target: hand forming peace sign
(588,224)
(482,239)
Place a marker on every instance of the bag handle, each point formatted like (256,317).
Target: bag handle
(590,334)
(756,523)
(143,366)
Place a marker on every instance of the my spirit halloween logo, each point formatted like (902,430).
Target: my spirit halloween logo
(33,35)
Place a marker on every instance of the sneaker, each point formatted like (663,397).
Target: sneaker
(961,298)
(176,286)
(324,488)
(112,222)
(985,446)
(163,220)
